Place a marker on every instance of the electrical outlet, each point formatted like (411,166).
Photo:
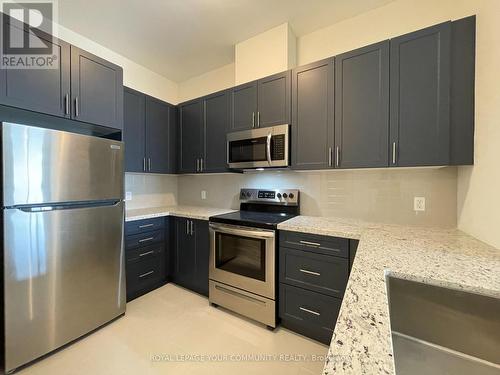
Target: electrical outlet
(419,203)
(128,195)
(203,194)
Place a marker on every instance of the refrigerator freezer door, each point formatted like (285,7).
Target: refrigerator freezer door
(47,166)
(64,276)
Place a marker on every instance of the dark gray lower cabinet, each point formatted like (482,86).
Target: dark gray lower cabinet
(313,274)
(146,255)
(190,258)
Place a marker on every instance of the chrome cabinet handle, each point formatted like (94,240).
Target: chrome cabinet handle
(201,164)
(258,119)
(329,156)
(66,104)
(77,109)
(197,165)
(316,244)
(187,227)
(192,227)
(146,253)
(149,164)
(144,164)
(146,239)
(393,152)
(146,274)
(146,226)
(337,156)
(310,311)
(310,272)
(268,147)
(253,119)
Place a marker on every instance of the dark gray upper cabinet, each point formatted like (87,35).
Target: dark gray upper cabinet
(96,89)
(362,107)
(420,97)
(273,104)
(134,130)
(158,136)
(216,125)
(191,130)
(312,115)
(244,106)
(40,90)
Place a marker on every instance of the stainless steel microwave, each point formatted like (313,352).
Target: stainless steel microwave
(258,148)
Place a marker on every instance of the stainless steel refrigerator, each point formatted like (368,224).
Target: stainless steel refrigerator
(63,259)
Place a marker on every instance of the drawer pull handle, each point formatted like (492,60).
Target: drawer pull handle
(146,274)
(315,244)
(310,272)
(310,311)
(146,226)
(146,239)
(146,253)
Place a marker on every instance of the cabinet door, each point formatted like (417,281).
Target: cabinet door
(157,136)
(96,89)
(419,109)
(185,254)
(273,95)
(134,128)
(244,106)
(202,254)
(40,90)
(362,107)
(191,126)
(216,125)
(312,115)
(173,126)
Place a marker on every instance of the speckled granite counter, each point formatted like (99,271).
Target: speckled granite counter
(361,343)
(192,212)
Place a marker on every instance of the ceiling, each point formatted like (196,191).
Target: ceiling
(180,39)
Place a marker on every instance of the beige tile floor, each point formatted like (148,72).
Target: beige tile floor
(172,321)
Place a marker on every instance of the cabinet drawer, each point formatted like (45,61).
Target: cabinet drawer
(144,239)
(320,244)
(312,314)
(147,225)
(317,272)
(143,253)
(143,275)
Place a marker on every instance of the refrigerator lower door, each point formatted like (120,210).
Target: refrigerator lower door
(63,276)
(47,166)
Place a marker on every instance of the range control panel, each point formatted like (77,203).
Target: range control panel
(270,196)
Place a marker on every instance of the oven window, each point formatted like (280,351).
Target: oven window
(248,150)
(241,255)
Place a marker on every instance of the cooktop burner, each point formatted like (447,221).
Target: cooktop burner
(262,208)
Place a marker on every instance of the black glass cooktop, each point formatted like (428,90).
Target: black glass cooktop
(266,220)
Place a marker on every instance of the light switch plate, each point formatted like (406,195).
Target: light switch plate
(203,194)
(419,203)
(128,195)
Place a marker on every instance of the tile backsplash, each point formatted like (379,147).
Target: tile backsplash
(380,195)
(150,190)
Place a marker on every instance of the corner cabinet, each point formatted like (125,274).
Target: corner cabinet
(190,258)
(261,103)
(96,89)
(150,130)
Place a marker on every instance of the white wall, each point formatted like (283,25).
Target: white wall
(212,81)
(150,190)
(134,75)
(264,54)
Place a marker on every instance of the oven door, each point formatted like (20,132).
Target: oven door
(243,257)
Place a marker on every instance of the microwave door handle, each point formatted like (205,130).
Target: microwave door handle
(268,148)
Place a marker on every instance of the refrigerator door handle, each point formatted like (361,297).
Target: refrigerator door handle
(65,206)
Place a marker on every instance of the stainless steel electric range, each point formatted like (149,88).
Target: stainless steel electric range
(243,246)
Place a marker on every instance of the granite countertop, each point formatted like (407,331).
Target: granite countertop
(192,212)
(361,343)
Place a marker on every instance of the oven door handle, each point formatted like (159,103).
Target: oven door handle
(268,147)
(264,234)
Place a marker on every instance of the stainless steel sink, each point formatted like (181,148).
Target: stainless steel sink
(437,330)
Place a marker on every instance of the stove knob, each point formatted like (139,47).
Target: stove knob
(278,195)
(285,195)
(290,195)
